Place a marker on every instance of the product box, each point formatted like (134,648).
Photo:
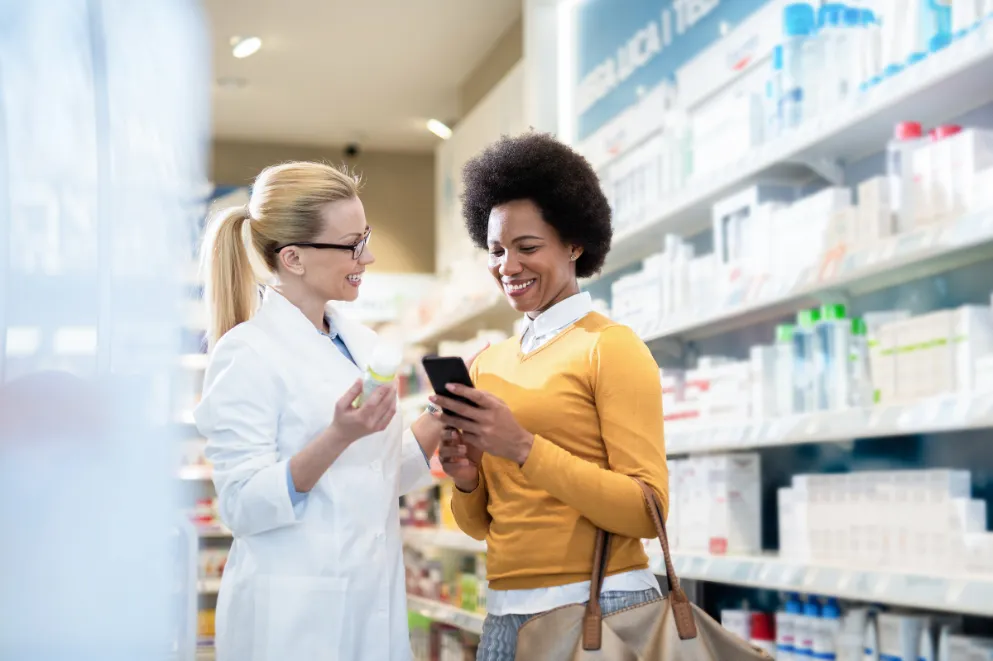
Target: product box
(875,211)
(785,499)
(735,507)
(730,216)
(899,635)
(968,154)
(978,551)
(725,132)
(763,381)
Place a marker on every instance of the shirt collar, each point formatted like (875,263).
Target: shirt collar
(561,314)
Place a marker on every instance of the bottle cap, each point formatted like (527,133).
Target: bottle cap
(762,627)
(868,18)
(945,131)
(831,610)
(385,361)
(798,19)
(784,332)
(829,15)
(810,609)
(807,318)
(852,17)
(859,327)
(793,606)
(908,131)
(834,312)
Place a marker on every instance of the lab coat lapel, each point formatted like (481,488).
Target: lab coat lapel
(359,339)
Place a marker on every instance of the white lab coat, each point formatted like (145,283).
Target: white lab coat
(322,581)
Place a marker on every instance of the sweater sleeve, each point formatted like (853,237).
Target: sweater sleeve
(628,394)
(470,509)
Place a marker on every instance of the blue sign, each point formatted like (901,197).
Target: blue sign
(626,47)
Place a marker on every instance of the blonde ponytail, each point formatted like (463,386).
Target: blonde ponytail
(285,208)
(231,290)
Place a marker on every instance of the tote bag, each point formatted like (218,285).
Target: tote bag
(667,629)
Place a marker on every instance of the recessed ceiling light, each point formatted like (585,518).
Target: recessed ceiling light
(242,47)
(439,129)
(232,82)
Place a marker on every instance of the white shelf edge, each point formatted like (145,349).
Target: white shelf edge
(946,413)
(442,538)
(446,614)
(435,332)
(214,533)
(208,585)
(928,244)
(952,62)
(956,593)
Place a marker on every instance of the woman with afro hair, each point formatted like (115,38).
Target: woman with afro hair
(565,415)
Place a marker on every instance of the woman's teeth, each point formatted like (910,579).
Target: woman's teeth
(517,287)
(355,279)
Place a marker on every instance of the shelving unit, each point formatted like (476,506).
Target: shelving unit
(933,415)
(902,258)
(958,593)
(447,614)
(492,311)
(958,72)
(453,540)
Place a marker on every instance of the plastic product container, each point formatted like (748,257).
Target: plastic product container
(861,378)
(832,357)
(799,61)
(774,96)
(907,136)
(806,627)
(786,620)
(806,379)
(762,636)
(784,370)
(826,632)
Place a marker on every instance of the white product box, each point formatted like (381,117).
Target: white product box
(955,520)
(763,381)
(874,193)
(922,195)
(730,215)
(968,153)
(673,526)
(969,648)
(738,622)
(979,552)
(724,132)
(824,202)
(899,635)
(735,517)
(981,198)
(785,502)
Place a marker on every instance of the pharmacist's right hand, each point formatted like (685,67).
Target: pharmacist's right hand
(354,422)
(459,460)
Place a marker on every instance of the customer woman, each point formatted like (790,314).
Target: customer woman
(568,413)
(308,484)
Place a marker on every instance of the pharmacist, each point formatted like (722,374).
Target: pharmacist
(308,484)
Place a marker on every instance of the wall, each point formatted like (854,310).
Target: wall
(398,194)
(507,52)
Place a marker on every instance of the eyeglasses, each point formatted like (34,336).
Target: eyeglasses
(356,248)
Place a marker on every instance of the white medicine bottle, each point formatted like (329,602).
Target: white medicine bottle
(381,370)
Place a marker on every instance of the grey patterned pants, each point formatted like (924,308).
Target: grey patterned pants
(499,639)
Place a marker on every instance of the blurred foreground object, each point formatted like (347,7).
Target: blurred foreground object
(103,132)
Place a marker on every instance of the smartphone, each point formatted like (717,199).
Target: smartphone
(443,370)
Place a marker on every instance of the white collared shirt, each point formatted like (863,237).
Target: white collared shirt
(538,332)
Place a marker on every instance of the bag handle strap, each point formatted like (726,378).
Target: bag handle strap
(682,609)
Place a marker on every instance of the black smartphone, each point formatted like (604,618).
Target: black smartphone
(443,370)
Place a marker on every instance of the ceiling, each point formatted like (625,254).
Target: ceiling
(339,71)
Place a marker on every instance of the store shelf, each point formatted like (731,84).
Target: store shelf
(208,585)
(193,361)
(213,532)
(195,473)
(899,259)
(492,312)
(943,86)
(958,593)
(442,538)
(447,614)
(958,412)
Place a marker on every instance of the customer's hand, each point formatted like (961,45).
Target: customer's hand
(459,460)
(351,423)
(489,426)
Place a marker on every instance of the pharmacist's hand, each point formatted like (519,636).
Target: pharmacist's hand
(489,426)
(354,422)
(459,460)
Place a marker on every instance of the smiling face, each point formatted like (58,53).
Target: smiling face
(333,274)
(533,266)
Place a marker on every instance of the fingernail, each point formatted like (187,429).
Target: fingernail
(451,387)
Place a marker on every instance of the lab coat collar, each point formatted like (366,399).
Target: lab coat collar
(294,325)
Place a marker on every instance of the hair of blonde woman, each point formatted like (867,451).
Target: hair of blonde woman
(285,207)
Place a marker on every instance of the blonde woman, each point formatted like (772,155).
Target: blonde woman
(308,484)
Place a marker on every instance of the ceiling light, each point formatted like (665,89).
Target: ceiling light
(439,129)
(242,47)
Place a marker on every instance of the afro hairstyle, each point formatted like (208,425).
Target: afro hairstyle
(560,182)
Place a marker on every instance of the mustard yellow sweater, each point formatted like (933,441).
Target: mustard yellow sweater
(593,399)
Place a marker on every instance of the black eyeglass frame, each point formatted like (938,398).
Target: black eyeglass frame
(357,248)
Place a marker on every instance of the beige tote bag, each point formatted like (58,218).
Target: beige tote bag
(667,629)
